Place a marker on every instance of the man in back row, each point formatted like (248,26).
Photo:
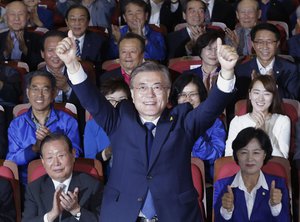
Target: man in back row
(151,176)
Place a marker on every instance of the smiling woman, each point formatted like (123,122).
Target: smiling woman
(264,112)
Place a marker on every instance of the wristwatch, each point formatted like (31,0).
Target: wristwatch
(77,216)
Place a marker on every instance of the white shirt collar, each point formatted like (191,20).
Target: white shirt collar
(265,70)
(66,183)
(239,183)
(154,121)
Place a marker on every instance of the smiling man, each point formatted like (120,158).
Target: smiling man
(131,52)
(265,41)
(61,193)
(151,175)
(26,131)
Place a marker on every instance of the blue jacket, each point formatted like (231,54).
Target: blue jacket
(294,46)
(210,146)
(46,17)
(261,209)
(155,44)
(95,139)
(21,137)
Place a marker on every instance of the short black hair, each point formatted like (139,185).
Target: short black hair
(131,35)
(184,80)
(78,6)
(207,38)
(265,26)
(140,3)
(46,74)
(184,5)
(54,137)
(110,86)
(51,33)
(246,135)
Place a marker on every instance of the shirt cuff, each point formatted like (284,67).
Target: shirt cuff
(226,85)
(45,218)
(226,214)
(77,77)
(275,210)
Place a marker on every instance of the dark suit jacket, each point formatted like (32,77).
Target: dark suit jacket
(3,136)
(7,206)
(33,57)
(170,19)
(285,73)
(294,47)
(223,12)
(168,173)
(261,209)
(92,49)
(39,198)
(176,42)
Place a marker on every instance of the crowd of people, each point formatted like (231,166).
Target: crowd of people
(141,119)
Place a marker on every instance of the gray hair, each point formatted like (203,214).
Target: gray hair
(150,66)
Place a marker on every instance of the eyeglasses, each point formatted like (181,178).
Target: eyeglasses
(158,89)
(79,20)
(261,43)
(190,95)
(36,90)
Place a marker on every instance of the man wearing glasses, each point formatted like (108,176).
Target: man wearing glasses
(265,39)
(150,179)
(26,131)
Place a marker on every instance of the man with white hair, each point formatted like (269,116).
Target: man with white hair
(294,42)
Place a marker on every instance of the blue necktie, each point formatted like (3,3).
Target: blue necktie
(148,208)
(77,47)
(16,52)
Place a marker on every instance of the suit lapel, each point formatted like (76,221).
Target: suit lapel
(86,45)
(260,198)
(239,196)
(47,193)
(164,125)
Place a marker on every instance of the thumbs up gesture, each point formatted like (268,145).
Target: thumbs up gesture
(275,194)
(228,199)
(227,57)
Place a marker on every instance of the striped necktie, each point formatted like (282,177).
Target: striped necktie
(78,54)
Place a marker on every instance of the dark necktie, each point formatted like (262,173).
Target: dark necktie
(77,47)
(148,208)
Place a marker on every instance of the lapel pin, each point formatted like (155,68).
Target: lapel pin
(171,118)
(263,193)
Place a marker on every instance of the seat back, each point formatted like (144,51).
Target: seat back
(66,107)
(9,170)
(92,167)
(198,176)
(109,65)
(184,63)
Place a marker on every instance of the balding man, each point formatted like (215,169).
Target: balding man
(17,43)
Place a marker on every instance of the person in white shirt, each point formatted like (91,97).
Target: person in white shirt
(264,112)
(250,194)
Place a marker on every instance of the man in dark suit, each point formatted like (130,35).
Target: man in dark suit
(131,55)
(181,42)
(294,41)
(152,184)
(265,41)
(17,43)
(90,44)
(61,193)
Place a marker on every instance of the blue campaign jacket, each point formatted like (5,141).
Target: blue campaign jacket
(21,137)
(210,146)
(155,45)
(261,209)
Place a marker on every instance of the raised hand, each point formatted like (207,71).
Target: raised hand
(227,57)
(56,207)
(233,37)
(228,199)
(115,31)
(259,118)
(69,201)
(275,194)
(66,51)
